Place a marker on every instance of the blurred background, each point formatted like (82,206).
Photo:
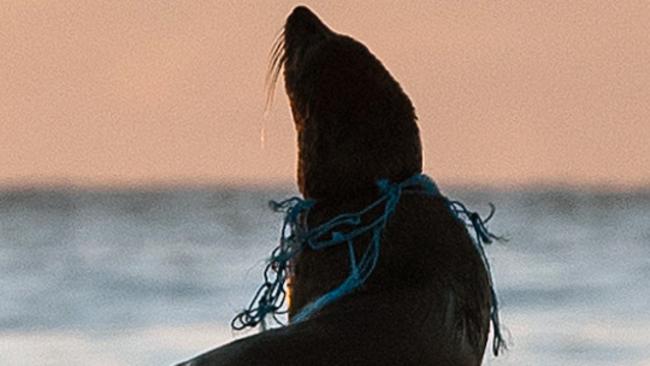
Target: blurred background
(136,161)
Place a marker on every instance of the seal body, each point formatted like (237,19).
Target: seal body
(428,300)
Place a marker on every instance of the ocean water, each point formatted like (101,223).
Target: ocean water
(153,277)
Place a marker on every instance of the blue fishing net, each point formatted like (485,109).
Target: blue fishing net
(270,298)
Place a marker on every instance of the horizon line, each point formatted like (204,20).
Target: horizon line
(65,183)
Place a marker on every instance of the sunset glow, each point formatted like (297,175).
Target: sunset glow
(145,92)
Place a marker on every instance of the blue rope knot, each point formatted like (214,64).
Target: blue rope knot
(383,185)
(296,236)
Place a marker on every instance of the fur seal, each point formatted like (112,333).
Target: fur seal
(428,300)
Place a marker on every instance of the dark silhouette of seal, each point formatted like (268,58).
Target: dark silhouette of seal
(428,300)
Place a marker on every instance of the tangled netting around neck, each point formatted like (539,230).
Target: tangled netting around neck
(271,296)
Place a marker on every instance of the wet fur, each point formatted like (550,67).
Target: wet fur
(427,302)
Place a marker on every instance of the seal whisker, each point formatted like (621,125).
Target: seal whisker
(276,61)
(278,44)
(277,49)
(274,73)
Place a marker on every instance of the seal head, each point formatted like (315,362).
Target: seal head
(354,122)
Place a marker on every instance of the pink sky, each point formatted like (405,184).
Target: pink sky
(142,92)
